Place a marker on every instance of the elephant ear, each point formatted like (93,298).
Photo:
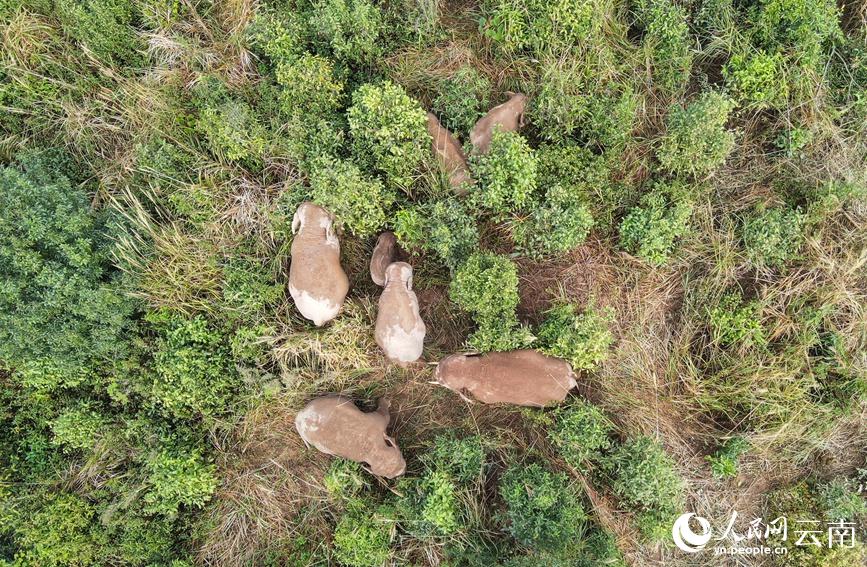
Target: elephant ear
(297,220)
(409,282)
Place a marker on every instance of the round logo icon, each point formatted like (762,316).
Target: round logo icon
(686,539)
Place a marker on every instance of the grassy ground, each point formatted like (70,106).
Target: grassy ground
(152,364)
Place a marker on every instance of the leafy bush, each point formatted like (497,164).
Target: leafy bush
(78,427)
(697,141)
(580,433)
(799,27)
(559,224)
(430,504)
(537,26)
(644,479)
(757,79)
(357,202)
(667,37)
(724,463)
(309,87)
(463,459)
(651,229)
(506,175)
(61,531)
(362,537)
(58,317)
(194,374)
(773,236)
(486,285)
(543,510)
(176,479)
(734,322)
(349,28)
(583,340)
(462,99)
(388,131)
(278,36)
(248,287)
(104,27)
(443,227)
(345,479)
(233,132)
(841,499)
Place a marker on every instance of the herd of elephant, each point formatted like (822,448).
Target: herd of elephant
(318,286)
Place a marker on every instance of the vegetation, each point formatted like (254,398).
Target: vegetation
(681,217)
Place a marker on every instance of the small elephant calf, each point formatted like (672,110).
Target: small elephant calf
(399,330)
(317,282)
(520,377)
(335,426)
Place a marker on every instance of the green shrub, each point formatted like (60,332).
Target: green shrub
(724,463)
(559,224)
(841,499)
(388,131)
(58,315)
(734,322)
(233,132)
(79,427)
(697,141)
(177,478)
(644,479)
(277,36)
(309,87)
(581,339)
(543,509)
(104,27)
(63,530)
(443,227)
(362,537)
(651,229)
(430,505)
(758,79)
(248,287)
(359,203)
(463,459)
(462,98)
(537,26)
(144,541)
(773,236)
(350,29)
(667,37)
(486,285)
(580,433)
(194,373)
(345,479)
(506,175)
(801,28)
(792,141)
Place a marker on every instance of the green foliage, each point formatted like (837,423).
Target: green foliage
(543,509)
(581,433)
(233,132)
(443,227)
(357,202)
(537,26)
(667,38)
(176,479)
(194,374)
(345,479)
(773,236)
(104,27)
(388,131)
(651,229)
(462,98)
(734,322)
(60,532)
(841,500)
(278,36)
(462,459)
(792,141)
(801,28)
(757,79)
(644,479)
(724,463)
(433,502)
(506,175)
(58,317)
(249,287)
(697,141)
(560,224)
(310,87)
(486,285)
(349,29)
(581,339)
(363,536)
(78,427)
